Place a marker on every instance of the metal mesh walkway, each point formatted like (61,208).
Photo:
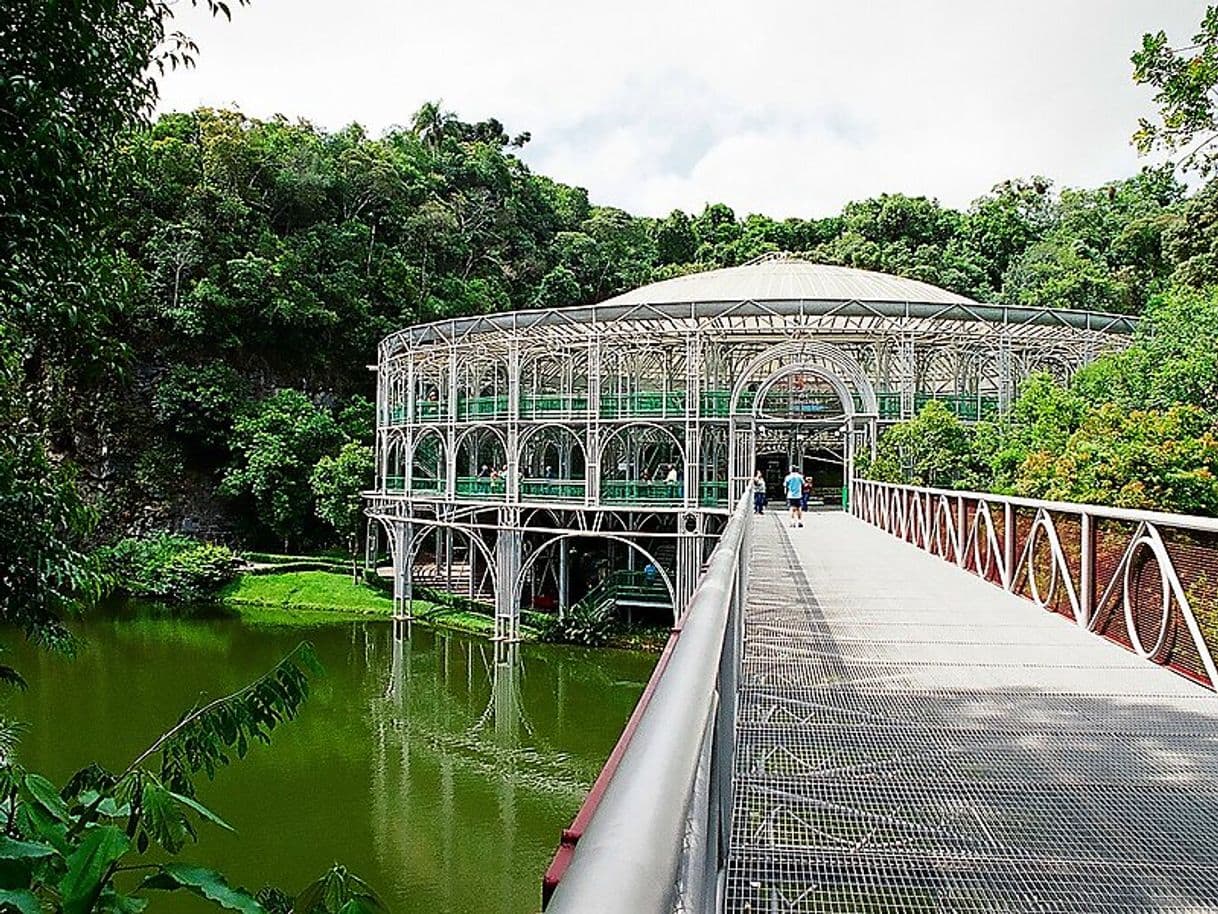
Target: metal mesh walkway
(913,739)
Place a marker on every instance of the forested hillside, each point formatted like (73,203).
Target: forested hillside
(190,310)
(260,262)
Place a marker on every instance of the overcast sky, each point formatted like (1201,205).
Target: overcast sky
(786,108)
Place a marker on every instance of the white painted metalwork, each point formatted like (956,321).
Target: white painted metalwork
(981,533)
(482,421)
(911,739)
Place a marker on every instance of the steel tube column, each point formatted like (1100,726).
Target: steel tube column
(507,568)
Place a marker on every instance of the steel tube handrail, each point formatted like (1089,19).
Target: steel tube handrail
(630,856)
(1137,515)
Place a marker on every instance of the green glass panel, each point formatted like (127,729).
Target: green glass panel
(628,492)
(481,486)
(553,488)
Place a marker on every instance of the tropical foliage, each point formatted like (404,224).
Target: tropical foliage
(168,567)
(107,841)
(1138,428)
(187,306)
(78,78)
(1135,429)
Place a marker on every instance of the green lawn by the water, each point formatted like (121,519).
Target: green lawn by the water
(317,590)
(308,596)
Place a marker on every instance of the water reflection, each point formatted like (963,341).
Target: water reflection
(452,727)
(441,768)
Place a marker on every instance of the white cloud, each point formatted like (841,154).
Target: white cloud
(788,108)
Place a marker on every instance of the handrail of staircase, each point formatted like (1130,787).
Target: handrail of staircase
(654,829)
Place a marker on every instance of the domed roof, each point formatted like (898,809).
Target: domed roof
(787,278)
(779,294)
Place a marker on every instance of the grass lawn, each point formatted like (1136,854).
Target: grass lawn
(316,590)
(305,597)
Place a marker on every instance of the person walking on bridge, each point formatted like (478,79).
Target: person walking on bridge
(759,493)
(794,486)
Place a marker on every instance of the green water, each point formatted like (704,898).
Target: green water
(436,770)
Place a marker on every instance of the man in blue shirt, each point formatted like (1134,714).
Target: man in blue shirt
(794,487)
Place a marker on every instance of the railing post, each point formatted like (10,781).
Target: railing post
(960,534)
(1008,544)
(1086,594)
(646,832)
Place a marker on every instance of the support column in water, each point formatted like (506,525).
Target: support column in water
(564,578)
(689,559)
(400,536)
(507,567)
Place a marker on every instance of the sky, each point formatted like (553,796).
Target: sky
(783,108)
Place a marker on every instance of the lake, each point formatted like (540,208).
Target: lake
(433,766)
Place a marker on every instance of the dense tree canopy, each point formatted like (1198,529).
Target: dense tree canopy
(261,258)
(1138,428)
(224,266)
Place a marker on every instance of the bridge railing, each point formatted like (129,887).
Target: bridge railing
(1145,579)
(653,832)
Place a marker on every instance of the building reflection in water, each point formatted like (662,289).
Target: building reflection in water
(461,776)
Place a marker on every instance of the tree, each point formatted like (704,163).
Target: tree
(933,449)
(45,571)
(1001,225)
(275,447)
(1040,421)
(1166,460)
(1186,82)
(1179,337)
(197,404)
(675,241)
(557,288)
(1102,249)
(338,483)
(432,125)
(77,78)
(1190,242)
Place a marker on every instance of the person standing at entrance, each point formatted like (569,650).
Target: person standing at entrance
(794,486)
(759,493)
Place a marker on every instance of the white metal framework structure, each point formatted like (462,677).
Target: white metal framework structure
(506,443)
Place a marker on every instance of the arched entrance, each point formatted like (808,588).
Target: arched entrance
(806,404)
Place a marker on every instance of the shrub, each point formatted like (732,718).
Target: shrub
(167,567)
(589,625)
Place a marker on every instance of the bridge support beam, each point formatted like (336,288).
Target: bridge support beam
(564,578)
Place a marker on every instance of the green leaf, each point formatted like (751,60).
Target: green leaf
(162,818)
(22,900)
(12,849)
(10,676)
(203,882)
(203,811)
(205,738)
(89,867)
(34,821)
(43,792)
(338,888)
(122,904)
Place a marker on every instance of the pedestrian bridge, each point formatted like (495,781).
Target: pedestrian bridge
(847,722)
